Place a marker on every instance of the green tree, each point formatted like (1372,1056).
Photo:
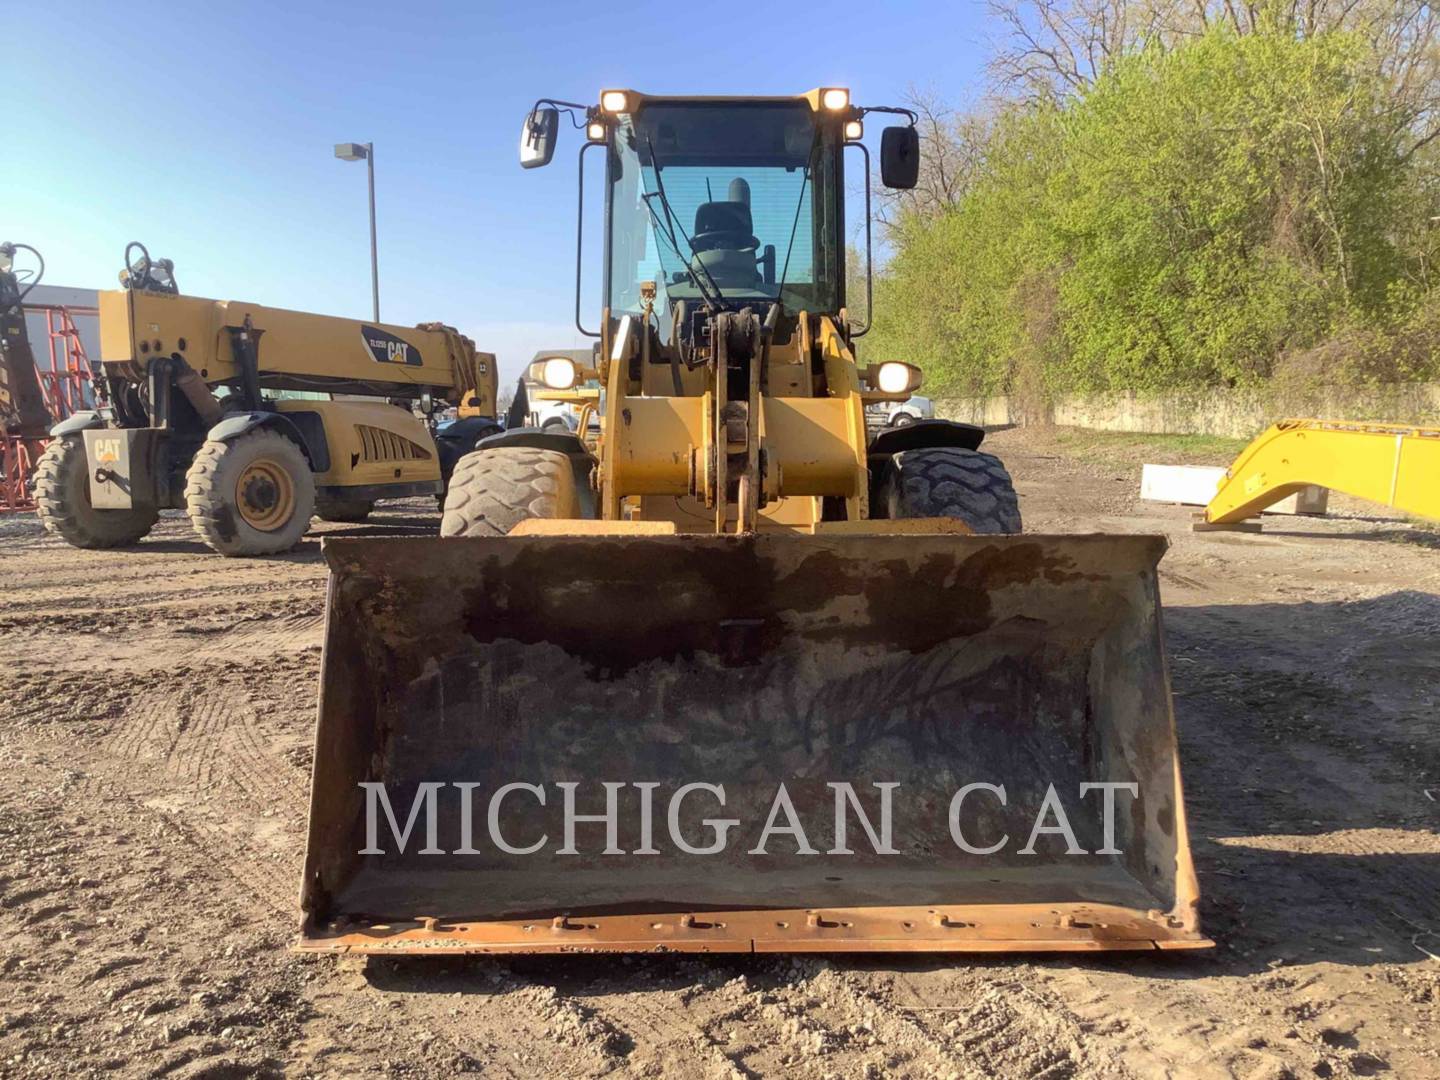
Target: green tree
(1189,218)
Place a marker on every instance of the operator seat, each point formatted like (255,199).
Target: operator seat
(724,239)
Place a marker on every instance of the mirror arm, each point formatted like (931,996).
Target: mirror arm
(580,240)
(566,106)
(896,110)
(869,272)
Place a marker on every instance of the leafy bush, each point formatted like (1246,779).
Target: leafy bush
(1197,216)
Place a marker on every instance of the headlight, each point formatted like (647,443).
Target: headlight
(854,130)
(834,99)
(614,101)
(557,372)
(897,378)
(595,131)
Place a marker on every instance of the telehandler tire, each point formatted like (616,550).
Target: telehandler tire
(62,495)
(252,495)
(951,482)
(491,491)
(328,509)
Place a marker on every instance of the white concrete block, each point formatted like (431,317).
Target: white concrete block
(1188,485)
(1195,485)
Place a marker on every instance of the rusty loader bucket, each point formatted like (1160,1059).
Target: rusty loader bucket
(765,743)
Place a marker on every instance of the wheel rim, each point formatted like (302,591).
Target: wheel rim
(265,495)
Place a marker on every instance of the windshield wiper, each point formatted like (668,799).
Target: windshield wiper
(799,204)
(674,221)
(667,233)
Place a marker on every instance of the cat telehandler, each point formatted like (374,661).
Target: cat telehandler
(740,677)
(197,410)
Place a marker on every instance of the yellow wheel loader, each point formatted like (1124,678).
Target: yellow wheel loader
(195,415)
(740,677)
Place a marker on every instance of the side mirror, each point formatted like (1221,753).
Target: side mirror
(900,158)
(537,138)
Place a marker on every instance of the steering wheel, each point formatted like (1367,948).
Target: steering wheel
(732,241)
(139,271)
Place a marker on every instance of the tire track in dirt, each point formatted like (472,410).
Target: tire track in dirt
(150,1007)
(177,641)
(266,635)
(72,609)
(841,1006)
(1155,1028)
(505,1022)
(665,1023)
(179,751)
(999,1022)
(237,1021)
(193,751)
(978,1025)
(760,1017)
(223,840)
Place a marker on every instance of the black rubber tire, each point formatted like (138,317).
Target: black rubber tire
(458,440)
(951,482)
(491,491)
(211,495)
(62,498)
(903,419)
(331,509)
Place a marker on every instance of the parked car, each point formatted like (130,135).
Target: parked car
(552,415)
(899,413)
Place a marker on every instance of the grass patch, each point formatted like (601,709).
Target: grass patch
(1137,448)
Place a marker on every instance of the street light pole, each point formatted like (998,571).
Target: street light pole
(374,251)
(357,152)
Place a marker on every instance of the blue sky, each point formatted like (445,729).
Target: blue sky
(206,131)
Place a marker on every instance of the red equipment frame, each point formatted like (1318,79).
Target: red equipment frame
(67,388)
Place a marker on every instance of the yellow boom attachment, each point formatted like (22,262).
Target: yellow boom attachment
(1392,464)
(292,350)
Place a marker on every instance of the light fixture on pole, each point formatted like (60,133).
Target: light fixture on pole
(365,152)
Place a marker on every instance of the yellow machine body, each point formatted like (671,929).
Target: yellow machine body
(1395,465)
(658,450)
(348,385)
(371,444)
(296,350)
(740,610)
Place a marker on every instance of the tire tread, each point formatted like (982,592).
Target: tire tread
(60,512)
(952,482)
(493,490)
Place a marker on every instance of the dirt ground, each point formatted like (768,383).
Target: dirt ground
(155,741)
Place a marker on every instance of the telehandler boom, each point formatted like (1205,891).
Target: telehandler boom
(741,677)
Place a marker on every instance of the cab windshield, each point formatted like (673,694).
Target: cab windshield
(724,202)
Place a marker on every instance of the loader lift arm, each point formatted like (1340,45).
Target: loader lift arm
(1392,464)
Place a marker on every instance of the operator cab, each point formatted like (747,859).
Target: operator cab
(725,200)
(725,203)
